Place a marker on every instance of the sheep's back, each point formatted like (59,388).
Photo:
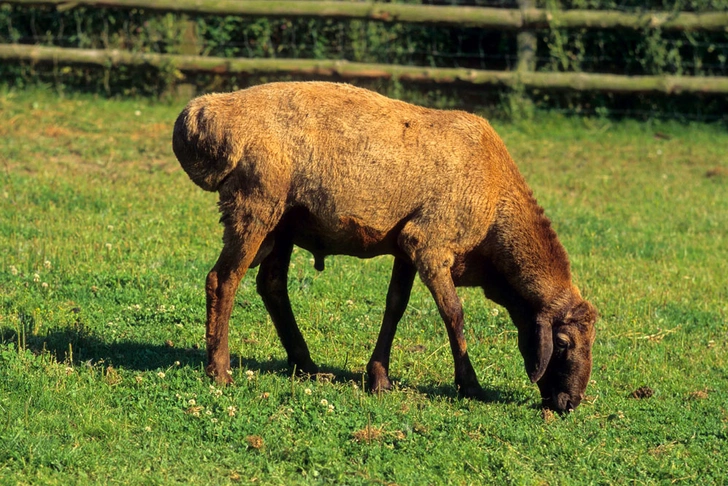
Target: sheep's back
(359,154)
(344,150)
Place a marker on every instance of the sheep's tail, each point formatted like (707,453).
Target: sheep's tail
(204,144)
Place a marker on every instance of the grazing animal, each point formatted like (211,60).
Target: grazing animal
(337,169)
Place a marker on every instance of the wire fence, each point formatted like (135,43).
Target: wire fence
(362,41)
(637,52)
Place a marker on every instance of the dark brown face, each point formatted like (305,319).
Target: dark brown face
(556,346)
(565,380)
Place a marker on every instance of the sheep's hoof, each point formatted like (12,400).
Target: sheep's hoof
(221,378)
(308,368)
(473,390)
(378,381)
(378,384)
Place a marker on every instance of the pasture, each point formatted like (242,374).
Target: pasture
(106,244)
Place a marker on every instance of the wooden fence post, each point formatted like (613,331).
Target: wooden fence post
(527,42)
(189,45)
(519,102)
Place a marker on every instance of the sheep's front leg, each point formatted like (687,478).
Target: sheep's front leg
(272,284)
(435,273)
(400,286)
(240,247)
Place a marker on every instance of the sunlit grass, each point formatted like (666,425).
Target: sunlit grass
(106,245)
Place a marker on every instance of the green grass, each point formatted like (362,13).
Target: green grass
(106,244)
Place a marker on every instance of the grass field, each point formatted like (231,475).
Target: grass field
(105,245)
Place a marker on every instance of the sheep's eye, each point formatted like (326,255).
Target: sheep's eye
(562,341)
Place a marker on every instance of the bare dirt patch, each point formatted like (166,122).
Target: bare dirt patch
(55,131)
(368,434)
(548,415)
(255,441)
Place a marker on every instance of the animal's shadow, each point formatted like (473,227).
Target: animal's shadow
(81,346)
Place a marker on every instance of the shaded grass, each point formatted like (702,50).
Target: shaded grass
(107,244)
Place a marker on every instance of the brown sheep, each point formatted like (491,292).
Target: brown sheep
(337,169)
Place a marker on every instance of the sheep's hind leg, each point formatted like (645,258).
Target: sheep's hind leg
(272,285)
(435,273)
(240,247)
(400,286)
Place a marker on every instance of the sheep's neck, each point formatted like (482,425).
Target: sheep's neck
(528,252)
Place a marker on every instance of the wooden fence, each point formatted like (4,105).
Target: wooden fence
(482,17)
(523,20)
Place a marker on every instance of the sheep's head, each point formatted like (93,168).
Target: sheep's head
(558,355)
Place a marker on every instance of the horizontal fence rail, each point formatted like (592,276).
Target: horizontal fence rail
(481,17)
(351,70)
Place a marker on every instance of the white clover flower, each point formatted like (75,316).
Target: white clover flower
(110,227)
(161,374)
(108,246)
(137,113)
(331,408)
(231,411)
(250,374)
(47,265)
(324,402)
(191,402)
(148,428)
(36,278)
(13,270)
(307,391)
(44,285)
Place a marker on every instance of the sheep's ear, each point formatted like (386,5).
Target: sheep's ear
(541,347)
(582,313)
